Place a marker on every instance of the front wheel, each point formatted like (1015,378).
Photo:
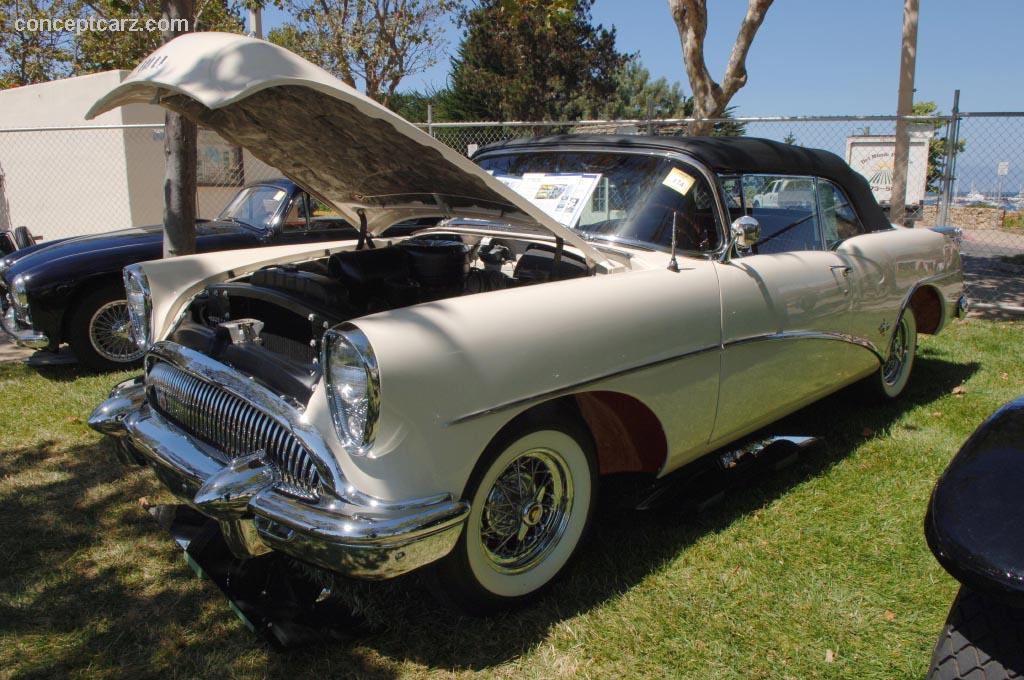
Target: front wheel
(99,331)
(531,498)
(982,638)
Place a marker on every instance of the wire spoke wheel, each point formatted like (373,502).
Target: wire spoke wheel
(526,510)
(899,350)
(110,333)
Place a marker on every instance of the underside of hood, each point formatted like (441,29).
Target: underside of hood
(330,139)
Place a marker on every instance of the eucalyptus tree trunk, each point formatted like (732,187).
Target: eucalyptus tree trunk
(710,98)
(179,153)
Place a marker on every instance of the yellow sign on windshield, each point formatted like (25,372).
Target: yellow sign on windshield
(677,180)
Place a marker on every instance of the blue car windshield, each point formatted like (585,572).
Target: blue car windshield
(637,199)
(256,206)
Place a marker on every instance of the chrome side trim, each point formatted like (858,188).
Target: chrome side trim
(568,389)
(812,335)
(571,388)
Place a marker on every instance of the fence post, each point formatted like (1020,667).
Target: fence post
(650,115)
(952,137)
(430,119)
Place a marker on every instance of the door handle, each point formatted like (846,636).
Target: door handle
(845,270)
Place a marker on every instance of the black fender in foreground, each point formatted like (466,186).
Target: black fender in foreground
(975,519)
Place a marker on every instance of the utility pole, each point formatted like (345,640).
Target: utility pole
(904,107)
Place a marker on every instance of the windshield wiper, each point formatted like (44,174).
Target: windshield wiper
(237,221)
(640,245)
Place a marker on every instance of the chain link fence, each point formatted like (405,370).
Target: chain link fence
(77,180)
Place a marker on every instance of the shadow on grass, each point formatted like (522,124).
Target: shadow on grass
(89,580)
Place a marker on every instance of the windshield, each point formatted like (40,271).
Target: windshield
(256,206)
(636,198)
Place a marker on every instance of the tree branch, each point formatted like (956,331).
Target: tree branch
(709,98)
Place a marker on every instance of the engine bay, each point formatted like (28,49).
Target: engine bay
(269,324)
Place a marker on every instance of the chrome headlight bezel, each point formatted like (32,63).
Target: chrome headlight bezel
(140,305)
(19,298)
(354,399)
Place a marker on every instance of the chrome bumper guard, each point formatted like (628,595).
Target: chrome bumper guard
(348,532)
(26,337)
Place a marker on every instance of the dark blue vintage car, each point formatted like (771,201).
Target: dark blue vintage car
(71,290)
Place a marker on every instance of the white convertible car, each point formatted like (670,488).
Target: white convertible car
(588,305)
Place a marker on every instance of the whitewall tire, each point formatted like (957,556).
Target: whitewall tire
(890,380)
(531,497)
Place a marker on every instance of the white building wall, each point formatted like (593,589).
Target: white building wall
(66,182)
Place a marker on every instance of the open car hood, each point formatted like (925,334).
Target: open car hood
(330,139)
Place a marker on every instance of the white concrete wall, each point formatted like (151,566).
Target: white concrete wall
(70,182)
(61,182)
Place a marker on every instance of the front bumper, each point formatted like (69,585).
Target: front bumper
(26,337)
(353,535)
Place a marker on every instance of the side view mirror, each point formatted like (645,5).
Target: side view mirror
(745,231)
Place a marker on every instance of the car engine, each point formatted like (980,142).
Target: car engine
(269,325)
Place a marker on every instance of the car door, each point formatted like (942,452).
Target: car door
(786,315)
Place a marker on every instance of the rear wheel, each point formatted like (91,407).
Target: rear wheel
(983,638)
(99,331)
(531,498)
(892,377)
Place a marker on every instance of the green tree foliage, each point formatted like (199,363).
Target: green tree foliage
(106,50)
(376,42)
(28,57)
(634,89)
(637,96)
(937,146)
(531,60)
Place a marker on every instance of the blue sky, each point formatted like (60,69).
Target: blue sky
(827,56)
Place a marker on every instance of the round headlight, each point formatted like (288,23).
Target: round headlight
(140,304)
(19,293)
(353,386)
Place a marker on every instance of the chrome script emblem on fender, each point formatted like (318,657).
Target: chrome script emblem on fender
(884,327)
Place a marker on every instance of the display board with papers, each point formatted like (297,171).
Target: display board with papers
(563,196)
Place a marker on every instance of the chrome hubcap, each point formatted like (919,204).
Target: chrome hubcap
(898,351)
(110,333)
(526,511)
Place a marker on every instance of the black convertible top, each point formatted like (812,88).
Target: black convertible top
(733,155)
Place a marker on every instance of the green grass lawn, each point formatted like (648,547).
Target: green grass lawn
(820,570)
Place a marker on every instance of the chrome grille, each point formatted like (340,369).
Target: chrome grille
(232,425)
